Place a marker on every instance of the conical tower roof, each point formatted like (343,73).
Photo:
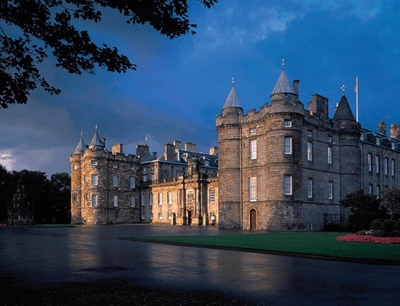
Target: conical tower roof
(283,85)
(81,147)
(96,141)
(232,100)
(343,111)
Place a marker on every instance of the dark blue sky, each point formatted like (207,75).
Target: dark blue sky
(180,85)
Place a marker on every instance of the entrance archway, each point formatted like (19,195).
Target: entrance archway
(253,219)
(189,219)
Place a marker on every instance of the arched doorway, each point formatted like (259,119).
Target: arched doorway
(253,219)
(189,218)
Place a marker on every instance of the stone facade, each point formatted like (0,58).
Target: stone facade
(283,167)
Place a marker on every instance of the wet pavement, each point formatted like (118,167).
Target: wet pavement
(32,258)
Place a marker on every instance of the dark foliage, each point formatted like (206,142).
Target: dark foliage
(50,199)
(391,200)
(364,209)
(48,26)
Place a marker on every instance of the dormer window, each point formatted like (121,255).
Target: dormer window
(115,166)
(309,133)
(377,142)
(287,123)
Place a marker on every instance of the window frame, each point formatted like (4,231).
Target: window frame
(309,150)
(288,188)
(253,189)
(253,149)
(287,144)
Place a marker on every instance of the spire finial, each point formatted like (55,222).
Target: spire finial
(343,88)
(283,63)
(233,81)
(81,133)
(95,127)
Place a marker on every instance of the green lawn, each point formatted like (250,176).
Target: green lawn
(304,243)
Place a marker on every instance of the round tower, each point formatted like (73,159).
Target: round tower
(76,182)
(350,156)
(228,127)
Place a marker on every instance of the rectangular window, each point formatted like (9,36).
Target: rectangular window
(143,199)
(95,179)
(392,168)
(310,188)
(94,200)
(132,182)
(95,162)
(115,166)
(287,123)
(144,178)
(151,216)
(133,201)
(288,145)
(169,196)
(253,189)
(385,165)
(288,184)
(377,163)
(253,131)
(329,139)
(329,155)
(369,160)
(377,191)
(309,133)
(253,149)
(309,150)
(159,198)
(212,195)
(150,199)
(115,181)
(330,190)
(143,216)
(115,200)
(370,191)
(160,216)
(169,216)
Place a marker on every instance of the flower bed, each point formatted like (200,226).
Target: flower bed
(367,239)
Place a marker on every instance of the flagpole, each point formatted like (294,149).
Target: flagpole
(356,90)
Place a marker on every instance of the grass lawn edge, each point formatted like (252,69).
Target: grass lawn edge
(270,252)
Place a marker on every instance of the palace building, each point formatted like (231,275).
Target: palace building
(282,167)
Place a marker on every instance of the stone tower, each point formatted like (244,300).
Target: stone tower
(229,150)
(350,156)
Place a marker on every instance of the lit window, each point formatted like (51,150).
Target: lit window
(159,198)
(330,155)
(212,195)
(169,197)
(133,201)
(94,200)
(253,189)
(369,159)
(310,188)
(253,149)
(287,123)
(377,163)
(115,200)
(330,190)
(115,181)
(160,216)
(95,179)
(132,182)
(309,151)
(288,184)
(288,145)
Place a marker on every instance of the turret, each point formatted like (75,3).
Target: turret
(229,127)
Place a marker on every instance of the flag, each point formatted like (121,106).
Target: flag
(356,86)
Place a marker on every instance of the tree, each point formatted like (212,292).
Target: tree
(364,209)
(7,185)
(60,195)
(391,200)
(48,25)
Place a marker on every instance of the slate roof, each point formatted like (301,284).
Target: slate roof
(343,111)
(283,85)
(96,141)
(81,147)
(232,100)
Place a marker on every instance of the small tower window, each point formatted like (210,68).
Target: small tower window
(287,123)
